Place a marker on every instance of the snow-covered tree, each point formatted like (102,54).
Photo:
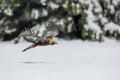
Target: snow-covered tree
(84,19)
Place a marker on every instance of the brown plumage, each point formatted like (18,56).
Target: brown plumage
(44,40)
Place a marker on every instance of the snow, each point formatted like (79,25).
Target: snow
(115,2)
(8,11)
(91,21)
(104,20)
(45,13)
(68,60)
(7,30)
(53,5)
(112,27)
(35,13)
(112,9)
(65,5)
(93,26)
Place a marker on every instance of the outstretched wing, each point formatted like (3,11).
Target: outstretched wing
(30,36)
(50,31)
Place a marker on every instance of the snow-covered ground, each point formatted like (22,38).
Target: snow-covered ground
(68,60)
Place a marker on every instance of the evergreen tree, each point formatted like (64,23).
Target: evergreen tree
(71,17)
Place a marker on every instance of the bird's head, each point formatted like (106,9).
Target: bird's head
(53,43)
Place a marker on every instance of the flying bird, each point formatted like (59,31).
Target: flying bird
(45,39)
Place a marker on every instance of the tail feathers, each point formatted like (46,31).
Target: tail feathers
(32,46)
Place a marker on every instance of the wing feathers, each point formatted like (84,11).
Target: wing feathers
(30,36)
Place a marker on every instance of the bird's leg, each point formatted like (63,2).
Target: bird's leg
(32,46)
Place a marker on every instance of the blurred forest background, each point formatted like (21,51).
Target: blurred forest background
(74,19)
